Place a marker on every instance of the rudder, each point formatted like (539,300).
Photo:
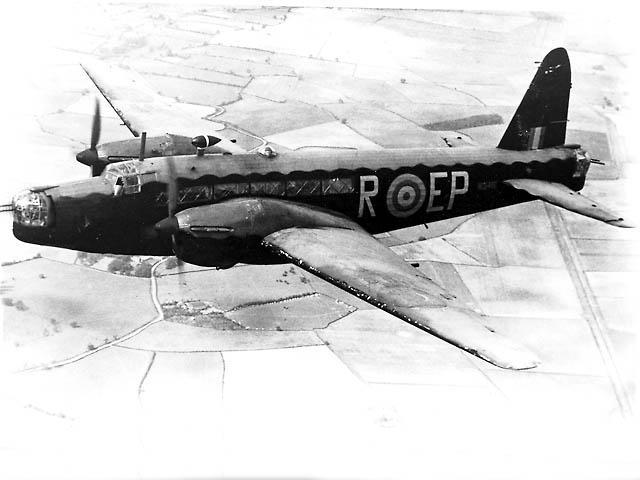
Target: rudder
(541,119)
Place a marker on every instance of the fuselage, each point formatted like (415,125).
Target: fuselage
(380,190)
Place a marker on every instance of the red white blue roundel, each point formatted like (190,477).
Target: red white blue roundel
(406,195)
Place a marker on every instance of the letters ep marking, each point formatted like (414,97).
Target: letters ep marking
(454,188)
(433,191)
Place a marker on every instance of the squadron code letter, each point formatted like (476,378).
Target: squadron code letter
(365,195)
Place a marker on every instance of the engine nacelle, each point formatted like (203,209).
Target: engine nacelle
(155,146)
(225,233)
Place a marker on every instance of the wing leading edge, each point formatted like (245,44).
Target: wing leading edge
(359,264)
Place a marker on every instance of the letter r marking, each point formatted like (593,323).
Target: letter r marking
(365,195)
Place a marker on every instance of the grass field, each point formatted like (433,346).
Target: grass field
(58,323)
(262,117)
(193,91)
(396,133)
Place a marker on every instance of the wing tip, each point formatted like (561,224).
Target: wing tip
(520,360)
(530,364)
(620,222)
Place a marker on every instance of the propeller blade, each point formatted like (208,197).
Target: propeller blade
(95,128)
(170,224)
(97,169)
(172,188)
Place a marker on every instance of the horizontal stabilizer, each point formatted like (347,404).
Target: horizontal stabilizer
(562,196)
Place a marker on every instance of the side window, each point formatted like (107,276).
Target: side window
(223,191)
(336,186)
(303,188)
(272,189)
(196,193)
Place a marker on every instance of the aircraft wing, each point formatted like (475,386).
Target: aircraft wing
(562,196)
(142,109)
(359,264)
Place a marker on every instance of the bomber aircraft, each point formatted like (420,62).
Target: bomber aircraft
(319,209)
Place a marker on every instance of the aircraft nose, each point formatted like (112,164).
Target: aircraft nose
(87,157)
(33,208)
(167,226)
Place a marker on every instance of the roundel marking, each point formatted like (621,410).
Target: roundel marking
(405,195)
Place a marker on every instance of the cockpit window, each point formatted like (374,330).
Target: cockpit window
(123,168)
(32,209)
(124,174)
(132,184)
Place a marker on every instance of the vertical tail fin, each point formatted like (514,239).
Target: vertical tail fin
(541,119)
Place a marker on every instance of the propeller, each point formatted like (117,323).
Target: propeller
(169,225)
(172,202)
(96,126)
(90,155)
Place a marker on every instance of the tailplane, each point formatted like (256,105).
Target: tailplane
(541,119)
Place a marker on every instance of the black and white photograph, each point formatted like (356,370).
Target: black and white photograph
(320,241)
